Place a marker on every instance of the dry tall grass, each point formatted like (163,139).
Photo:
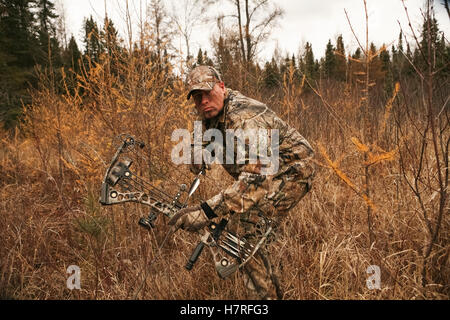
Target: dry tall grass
(53,165)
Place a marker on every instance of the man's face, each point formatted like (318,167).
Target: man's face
(210,103)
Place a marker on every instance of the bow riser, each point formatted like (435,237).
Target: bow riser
(111,196)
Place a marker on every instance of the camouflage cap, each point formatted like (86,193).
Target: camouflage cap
(202,78)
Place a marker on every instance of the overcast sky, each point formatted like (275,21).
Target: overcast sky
(313,21)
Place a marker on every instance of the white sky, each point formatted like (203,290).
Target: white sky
(313,21)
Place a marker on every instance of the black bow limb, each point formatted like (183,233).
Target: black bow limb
(121,185)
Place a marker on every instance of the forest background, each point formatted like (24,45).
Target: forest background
(377,117)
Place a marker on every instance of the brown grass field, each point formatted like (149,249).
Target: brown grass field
(379,197)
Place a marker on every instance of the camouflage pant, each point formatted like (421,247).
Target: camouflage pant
(281,195)
(261,279)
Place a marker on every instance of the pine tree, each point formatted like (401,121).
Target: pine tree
(17,56)
(109,38)
(432,47)
(341,61)
(72,56)
(16,32)
(408,69)
(207,60)
(271,74)
(430,38)
(199,57)
(375,68)
(49,52)
(355,66)
(329,64)
(72,63)
(93,45)
(311,67)
(225,60)
(284,66)
(297,75)
(443,57)
(387,70)
(357,54)
(398,58)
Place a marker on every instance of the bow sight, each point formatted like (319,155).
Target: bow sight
(121,185)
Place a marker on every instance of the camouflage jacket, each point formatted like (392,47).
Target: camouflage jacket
(241,112)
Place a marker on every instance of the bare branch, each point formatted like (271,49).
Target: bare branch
(354,34)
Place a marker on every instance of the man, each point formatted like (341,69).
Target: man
(257,193)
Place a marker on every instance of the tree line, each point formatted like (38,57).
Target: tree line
(33,42)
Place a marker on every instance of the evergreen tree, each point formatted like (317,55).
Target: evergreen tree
(443,57)
(408,69)
(376,73)
(207,60)
(199,57)
(93,45)
(203,59)
(311,67)
(385,60)
(297,75)
(355,66)
(341,61)
(433,49)
(49,51)
(284,66)
(357,54)
(17,56)
(72,63)
(430,40)
(72,56)
(329,64)
(271,74)
(398,58)
(398,55)
(109,38)
(16,32)
(289,65)
(387,70)
(322,73)
(223,53)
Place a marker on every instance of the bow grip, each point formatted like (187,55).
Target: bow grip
(195,255)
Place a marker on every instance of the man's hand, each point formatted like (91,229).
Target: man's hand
(190,219)
(196,168)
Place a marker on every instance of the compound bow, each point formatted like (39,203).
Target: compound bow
(120,185)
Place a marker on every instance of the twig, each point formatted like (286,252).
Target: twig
(351,28)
